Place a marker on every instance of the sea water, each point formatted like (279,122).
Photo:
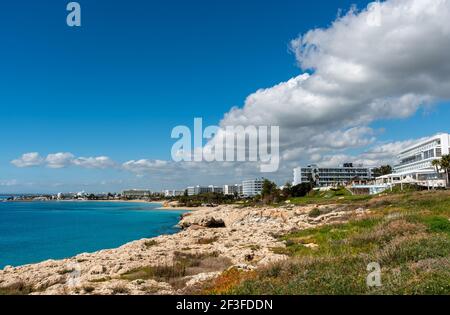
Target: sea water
(31,232)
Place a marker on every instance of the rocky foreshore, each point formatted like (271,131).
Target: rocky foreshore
(211,240)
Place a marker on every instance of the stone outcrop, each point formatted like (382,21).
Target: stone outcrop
(244,237)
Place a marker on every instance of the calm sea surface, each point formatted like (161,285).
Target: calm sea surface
(35,231)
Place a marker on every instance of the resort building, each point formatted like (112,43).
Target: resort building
(251,188)
(232,190)
(136,194)
(415,163)
(215,189)
(332,176)
(196,190)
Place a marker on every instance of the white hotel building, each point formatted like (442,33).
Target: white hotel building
(332,176)
(232,190)
(415,163)
(251,188)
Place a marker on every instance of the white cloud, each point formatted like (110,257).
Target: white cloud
(8,182)
(59,160)
(142,166)
(380,154)
(28,160)
(101,162)
(63,160)
(383,62)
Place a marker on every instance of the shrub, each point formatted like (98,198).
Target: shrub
(438,224)
(314,213)
(17,288)
(88,289)
(412,249)
(150,243)
(120,289)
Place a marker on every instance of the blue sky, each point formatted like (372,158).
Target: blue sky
(135,69)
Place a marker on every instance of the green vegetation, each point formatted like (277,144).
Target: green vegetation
(205,198)
(335,195)
(443,165)
(185,264)
(408,234)
(382,170)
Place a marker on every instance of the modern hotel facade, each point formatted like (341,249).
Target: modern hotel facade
(232,190)
(332,176)
(415,163)
(137,194)
(251,188)
(420,156)
(197,190)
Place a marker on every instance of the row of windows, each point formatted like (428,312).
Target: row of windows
(420,157)
(340,170)
(425,147)
(337,174)
(415,167)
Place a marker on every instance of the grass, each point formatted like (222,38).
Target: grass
(120,289)
(338,195)
(17,288)
(100,280)
(184,264)
(407,233)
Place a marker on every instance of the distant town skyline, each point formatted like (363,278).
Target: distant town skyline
(92,108)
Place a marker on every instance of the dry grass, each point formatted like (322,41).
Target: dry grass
(227,280)
(120,289)
(17,288)
(184,264)
(207,240)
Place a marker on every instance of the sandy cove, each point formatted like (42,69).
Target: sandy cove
(226,236)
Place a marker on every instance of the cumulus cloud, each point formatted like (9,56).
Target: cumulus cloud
(144,165)
(383,62)
(62,160)
(380,154)
(101,162)
(59,160)
(28,160)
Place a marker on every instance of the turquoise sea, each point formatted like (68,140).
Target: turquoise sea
(31,232)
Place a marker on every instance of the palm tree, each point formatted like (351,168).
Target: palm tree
(444,164)
(437,165)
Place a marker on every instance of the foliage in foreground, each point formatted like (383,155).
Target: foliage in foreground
(407,234)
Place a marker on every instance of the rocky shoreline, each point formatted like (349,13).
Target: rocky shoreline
(211,241)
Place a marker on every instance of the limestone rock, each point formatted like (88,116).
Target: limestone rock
(243,237)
